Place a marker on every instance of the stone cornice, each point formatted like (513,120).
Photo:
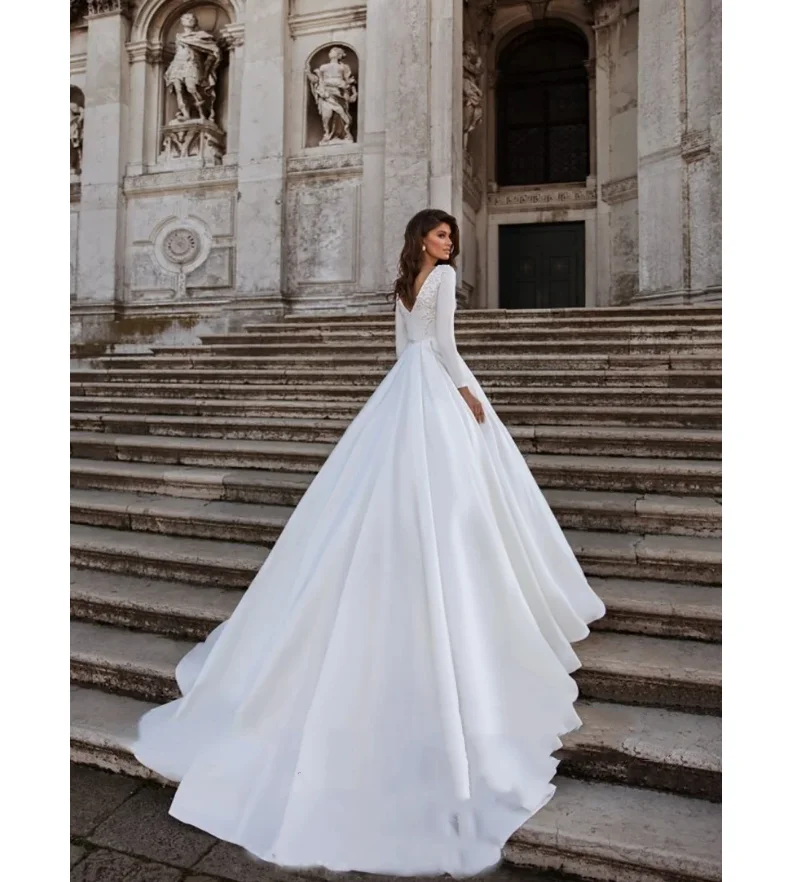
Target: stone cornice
(620,190)
(328,20)
(98,8)
(144,51)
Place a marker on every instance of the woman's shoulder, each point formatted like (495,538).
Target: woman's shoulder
(446,269)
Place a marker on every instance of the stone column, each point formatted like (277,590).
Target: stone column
(701,147)
(100,248)
(259,212)
(446,73)
(233,39)
(372,88)
(606,19)
(138,56)
(407,151)
(664,272)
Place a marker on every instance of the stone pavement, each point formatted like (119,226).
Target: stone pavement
(120,831)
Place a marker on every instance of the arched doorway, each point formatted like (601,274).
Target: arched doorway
(542,138)
(543,108)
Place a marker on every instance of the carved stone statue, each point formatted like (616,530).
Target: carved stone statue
(75,138)
(193,71)
(333,86)
(473,94)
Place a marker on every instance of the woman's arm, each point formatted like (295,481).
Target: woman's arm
(445,327)
(400,332)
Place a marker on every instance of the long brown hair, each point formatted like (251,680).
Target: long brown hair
(411,256)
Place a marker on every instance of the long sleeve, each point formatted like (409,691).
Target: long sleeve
(400,330)
(445,328)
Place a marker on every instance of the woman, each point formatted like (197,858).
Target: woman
(388,693)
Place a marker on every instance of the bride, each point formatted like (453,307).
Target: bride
(389,692)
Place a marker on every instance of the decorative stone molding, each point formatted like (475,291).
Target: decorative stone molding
(695,145)
(77,64)
(545,199)
(232,36)
(328,164)
(606,12)
(193,139)
(96,8)
(144,51)
(620,190)
(538,8)
(178,181)
(328,20)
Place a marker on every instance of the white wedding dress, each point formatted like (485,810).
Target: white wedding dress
(388,693)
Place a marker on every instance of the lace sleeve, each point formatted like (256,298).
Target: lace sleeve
(445,327)
(400,332)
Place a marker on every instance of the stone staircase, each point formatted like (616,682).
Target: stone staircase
(187,462)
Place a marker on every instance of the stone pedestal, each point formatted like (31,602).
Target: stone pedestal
(194,143)
(100,260)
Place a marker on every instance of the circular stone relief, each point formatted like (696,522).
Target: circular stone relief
(181,246)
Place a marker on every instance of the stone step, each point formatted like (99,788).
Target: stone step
(255,394)
(660,749)
(645,313)
(467,320)
(592,830)
(633,669)
(225,524)
(519,414)
(578,440)
(576,509)
(626,669)
(369,376)
(188,611)
(610,346)
(632,475)
(639,333)
(499,367)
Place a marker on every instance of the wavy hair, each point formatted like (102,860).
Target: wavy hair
(410,262)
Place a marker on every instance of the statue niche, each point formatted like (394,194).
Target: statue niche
(333,88)
(192,79)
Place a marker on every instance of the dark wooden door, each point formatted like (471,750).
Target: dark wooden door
(542,266)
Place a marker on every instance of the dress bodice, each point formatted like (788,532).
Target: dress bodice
(420,322)
(432,318)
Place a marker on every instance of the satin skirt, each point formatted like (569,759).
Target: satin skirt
(389,692)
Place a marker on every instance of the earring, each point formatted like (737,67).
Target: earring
(424,248)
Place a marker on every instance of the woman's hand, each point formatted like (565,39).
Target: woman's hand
(474,405)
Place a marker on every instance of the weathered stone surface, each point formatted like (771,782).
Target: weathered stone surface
(93,795)
(105,866)
(142,826)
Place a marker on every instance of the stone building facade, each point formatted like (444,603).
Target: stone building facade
(233,159)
